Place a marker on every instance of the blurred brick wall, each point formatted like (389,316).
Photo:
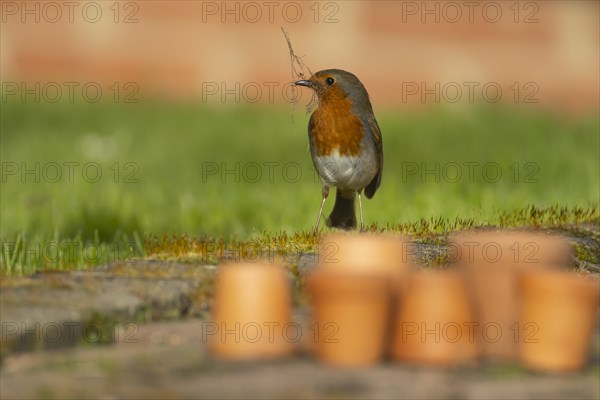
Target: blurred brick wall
(545,51)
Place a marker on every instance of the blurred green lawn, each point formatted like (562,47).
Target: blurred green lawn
(234,170)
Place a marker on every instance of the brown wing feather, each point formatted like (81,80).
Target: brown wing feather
(374,184)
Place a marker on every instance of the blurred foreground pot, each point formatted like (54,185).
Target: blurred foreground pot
(558,315)
(354,287)
(434,321)
(351,316)
(491,262)
(380,254)
(251,312)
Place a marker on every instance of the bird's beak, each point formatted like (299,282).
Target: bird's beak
(304,82)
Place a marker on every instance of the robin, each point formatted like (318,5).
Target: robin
(345,144)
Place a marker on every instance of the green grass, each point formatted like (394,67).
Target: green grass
(233,171)
(25,255)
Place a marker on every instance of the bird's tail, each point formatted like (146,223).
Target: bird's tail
(343,215)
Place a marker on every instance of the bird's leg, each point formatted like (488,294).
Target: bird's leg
(362,222)
(324,193)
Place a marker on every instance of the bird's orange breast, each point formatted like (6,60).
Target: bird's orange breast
(333,126)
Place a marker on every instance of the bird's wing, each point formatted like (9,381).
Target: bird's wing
(373,127)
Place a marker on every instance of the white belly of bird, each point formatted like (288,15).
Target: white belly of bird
(345,172)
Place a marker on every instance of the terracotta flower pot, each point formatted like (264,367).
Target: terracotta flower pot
(252,312)
(434,323)
(558,315)
(367,253)
(350,317)
(491,262)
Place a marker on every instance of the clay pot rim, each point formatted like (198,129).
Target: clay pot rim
(378,251)
(544,276)
(331,282)
(349,274)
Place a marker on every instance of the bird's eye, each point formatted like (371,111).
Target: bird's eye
(329,81)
